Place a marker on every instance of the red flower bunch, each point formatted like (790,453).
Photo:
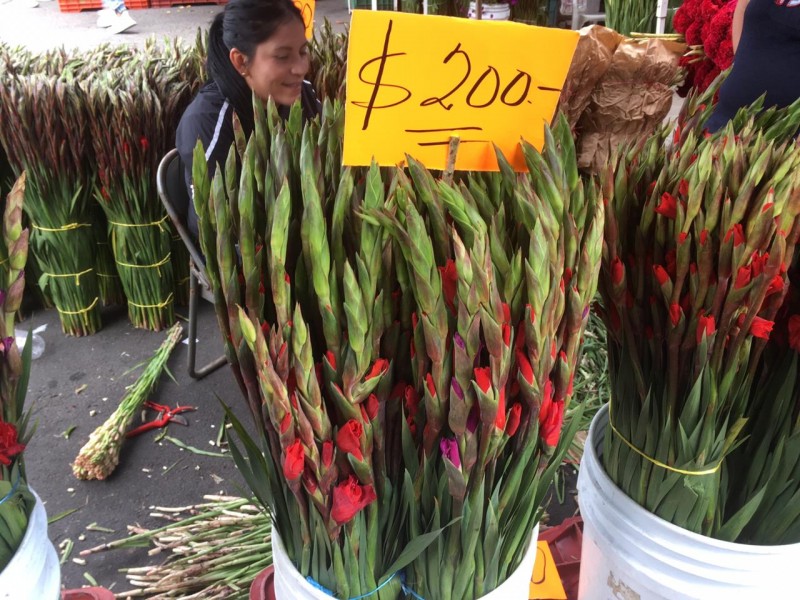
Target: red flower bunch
(9,444)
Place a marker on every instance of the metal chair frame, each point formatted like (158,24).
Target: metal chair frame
(198,281)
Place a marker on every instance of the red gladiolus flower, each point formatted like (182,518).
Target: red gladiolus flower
(500,419)
(144,143)
(348,439)
(379,368)
(286,423)
(310,482)
(617,271)
(775,286)
(349,497)
(431,385)
(651,188)
(759,263)
(449,283)
(525,367)
(551,416)
(675,314)
(9,445)
(703,237)
(483,377)
(513,419)
(761,328)
(682,237)
(705,325)
(331,359)
(743,277)
(414,320)
(668,207)
(506,313)
(794,332)
(293,461)
(506,334)
(683,187)
(372,407)
(327,453)
(661,275)
(411,400)
(738,235)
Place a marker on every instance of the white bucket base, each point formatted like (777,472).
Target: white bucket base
(34,572)
(291,585)
(490,12)
(630,554)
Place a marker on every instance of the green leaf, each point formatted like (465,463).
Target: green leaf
(414,548)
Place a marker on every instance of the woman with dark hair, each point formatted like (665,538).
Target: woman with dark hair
(254,46)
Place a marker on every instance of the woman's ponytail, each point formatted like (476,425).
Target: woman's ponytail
(221,70)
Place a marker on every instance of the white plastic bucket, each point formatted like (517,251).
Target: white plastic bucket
(518,584)
(490,12)
(34,572)
(291,585)
(629,553)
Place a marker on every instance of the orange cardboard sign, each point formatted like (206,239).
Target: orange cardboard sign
(415,80)
(307,9)
(545,581)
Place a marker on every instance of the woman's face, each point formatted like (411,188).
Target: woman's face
(279,64)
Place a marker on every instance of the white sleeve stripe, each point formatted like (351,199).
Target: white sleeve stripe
(217,128)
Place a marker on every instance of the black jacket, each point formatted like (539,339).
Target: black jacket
(209,118)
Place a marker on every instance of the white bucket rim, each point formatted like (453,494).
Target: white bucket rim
(593,450)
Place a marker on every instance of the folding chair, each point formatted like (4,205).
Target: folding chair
(175,197)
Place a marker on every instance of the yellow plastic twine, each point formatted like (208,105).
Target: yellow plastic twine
(161,305)
(81,311)
(77,276)
(157,265)
(153,224)
(658,463)
(67,227)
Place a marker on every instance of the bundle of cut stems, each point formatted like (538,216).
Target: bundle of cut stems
(215,550)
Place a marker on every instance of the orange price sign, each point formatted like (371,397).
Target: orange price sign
(415,80)
(307,8)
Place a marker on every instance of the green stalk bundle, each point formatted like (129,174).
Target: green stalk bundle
(406,343)
(44,135)
(108,280)
(17,500)
(697,244)
(100,455)
(328,71)
(215,550)
(631,16)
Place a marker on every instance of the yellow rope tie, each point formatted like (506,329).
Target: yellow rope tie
(184,280)
(68,227)
(161,305)
(658,463)
(153,224)
(77,276)
(81,311)
(157,265)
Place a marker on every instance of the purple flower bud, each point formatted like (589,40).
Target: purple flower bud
(459,341)
(449,449)
(473,419)
(585,311)
(3,296)
(7,342)
(457,388)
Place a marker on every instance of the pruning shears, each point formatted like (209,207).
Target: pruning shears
(166,415)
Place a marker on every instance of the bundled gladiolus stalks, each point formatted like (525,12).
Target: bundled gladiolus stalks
(698,241)
(16,500)
(44,134)
(408,356)
(100,455)
(328,51)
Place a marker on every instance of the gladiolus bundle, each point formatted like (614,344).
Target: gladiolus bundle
(407,344)
(690,297)
(16,500)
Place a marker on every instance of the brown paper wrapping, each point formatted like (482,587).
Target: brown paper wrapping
(617,90)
